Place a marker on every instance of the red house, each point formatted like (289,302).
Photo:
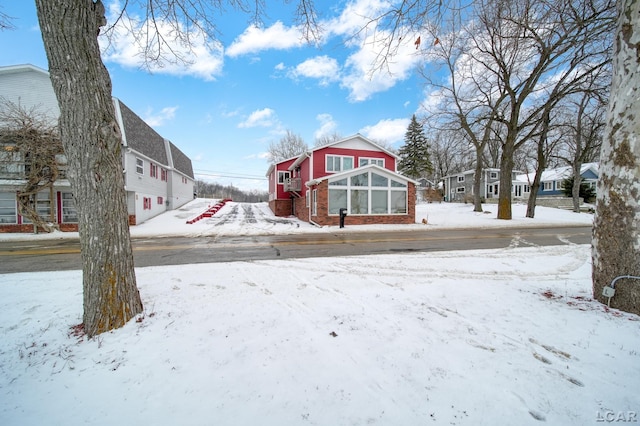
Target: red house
(353,174)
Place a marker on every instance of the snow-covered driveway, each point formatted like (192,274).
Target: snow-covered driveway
(232,219)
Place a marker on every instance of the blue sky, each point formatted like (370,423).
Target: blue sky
(225,108)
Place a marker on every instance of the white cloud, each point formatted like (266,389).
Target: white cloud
(363,80)
(356,25)
(328,126)
(390,131)
(265,117)
(158,119)
(255,39)
(355,16)
(323,68)
(201,58)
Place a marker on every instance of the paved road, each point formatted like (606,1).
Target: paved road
(65,254)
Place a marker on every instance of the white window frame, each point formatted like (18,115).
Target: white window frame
(314,211)
(460,178)
(69,212)
(393,185)
(493,175)
(547,186)
(341,163)
(460,189)
(365,161)
(283,175)
(139,166)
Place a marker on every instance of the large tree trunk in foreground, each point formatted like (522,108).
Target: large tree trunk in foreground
(616,236)
(506,169)
(477,180)
(92,144)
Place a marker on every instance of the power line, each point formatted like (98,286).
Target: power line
(228,175)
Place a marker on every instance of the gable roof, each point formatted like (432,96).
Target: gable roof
(348,142)
(354,139)
(140,137)
(359,170)
(352,142)
(181,162)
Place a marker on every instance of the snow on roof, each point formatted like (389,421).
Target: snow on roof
(556,174)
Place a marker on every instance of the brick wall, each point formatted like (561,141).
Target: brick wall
(280,207)
(325,220)
(28,228)
(302,211)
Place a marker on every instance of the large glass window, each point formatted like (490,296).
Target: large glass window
(368,193)
(379,202)
(360,180)
(8,207)
(377,180)
(398,202)
(337,200)
(359,201)
(140,166)
(341,182)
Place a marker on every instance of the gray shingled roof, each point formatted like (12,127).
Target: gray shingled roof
(181,162)
(141,137)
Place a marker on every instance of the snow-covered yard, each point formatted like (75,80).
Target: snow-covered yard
(491,337)
(257,219)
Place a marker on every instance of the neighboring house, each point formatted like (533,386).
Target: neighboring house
(158,176)
(552,181)
(424,183)
(459,187)
(353,174)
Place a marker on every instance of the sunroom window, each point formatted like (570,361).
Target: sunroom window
(368,193)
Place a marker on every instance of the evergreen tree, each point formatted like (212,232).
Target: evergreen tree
(414,154)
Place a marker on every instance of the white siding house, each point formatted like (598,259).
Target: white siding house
(158,176)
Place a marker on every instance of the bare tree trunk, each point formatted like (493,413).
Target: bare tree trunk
(541,161)
(506,169)
(575,189)
(535,185)
(92,143)
(477,179)
(576,165)
(616,236)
